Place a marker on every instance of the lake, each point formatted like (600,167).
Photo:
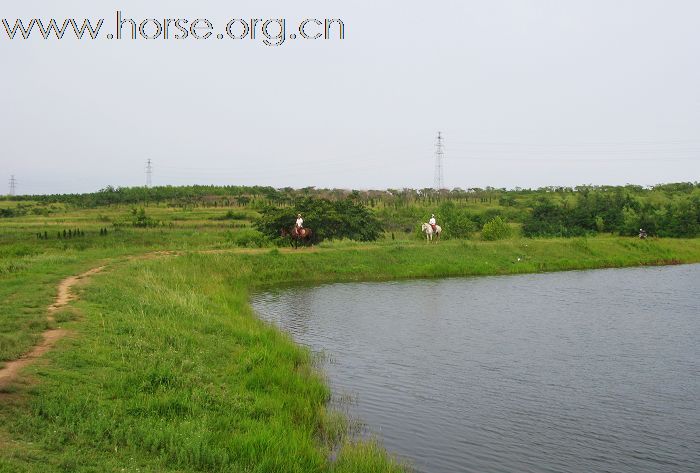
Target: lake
(593,371)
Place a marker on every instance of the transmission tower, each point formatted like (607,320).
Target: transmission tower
(13,185)
(149,173)
(439,154)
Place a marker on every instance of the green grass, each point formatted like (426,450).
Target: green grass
(168,369)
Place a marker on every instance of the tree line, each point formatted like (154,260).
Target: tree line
(665,210)
(617,212)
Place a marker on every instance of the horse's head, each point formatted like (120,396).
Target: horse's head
(284,232)
(424,227)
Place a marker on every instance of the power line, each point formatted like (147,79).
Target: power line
(13,185)
(439,153)
(149,173)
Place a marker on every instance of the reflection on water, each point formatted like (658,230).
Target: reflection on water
(569,372)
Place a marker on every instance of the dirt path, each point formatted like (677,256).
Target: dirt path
(49,338)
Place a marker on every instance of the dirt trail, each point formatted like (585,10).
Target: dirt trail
(49,338)
(9,372)
(256,251)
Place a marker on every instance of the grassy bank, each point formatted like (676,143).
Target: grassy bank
(168,369)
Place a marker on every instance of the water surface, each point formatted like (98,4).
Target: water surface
(595,371)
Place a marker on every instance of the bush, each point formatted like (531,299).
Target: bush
(248,239)
(9,213)
(231,215)
(140,219)
(496,229)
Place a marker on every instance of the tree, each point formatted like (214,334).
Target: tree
(455,222)
(328,220)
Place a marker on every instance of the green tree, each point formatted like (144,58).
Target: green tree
(327,219)
(455,222)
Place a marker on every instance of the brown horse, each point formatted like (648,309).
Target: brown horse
(297,235)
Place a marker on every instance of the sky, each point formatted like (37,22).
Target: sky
(527,93)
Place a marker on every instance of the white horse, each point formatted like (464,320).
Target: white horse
(428,229)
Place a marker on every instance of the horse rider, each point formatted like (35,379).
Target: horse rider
(433,222)
(299,227)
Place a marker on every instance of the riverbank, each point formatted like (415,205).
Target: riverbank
(167,368)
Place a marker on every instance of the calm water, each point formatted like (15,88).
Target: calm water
(595,371)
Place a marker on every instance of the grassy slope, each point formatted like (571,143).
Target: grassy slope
(169,370)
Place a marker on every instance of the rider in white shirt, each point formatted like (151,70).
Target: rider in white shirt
(432,221)
(300,224)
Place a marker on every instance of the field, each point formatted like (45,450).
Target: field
(164,366)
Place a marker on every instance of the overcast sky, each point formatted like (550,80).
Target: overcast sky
(526,93)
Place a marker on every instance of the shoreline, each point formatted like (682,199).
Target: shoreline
(175,343)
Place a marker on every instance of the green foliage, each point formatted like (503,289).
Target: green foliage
(496,229)
(9,213)
(327,220)
(232,215)
(456,222)
(630,222)
(248,238)
(22,209)
(681,218)
(400,219)
(546,219)
(139,218)
(596,212)
(600,223)
(507,201)
(664,210)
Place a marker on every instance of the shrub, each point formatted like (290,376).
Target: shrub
(140,219)
(496,229)
(248,239)
(9,213)
(231,215)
